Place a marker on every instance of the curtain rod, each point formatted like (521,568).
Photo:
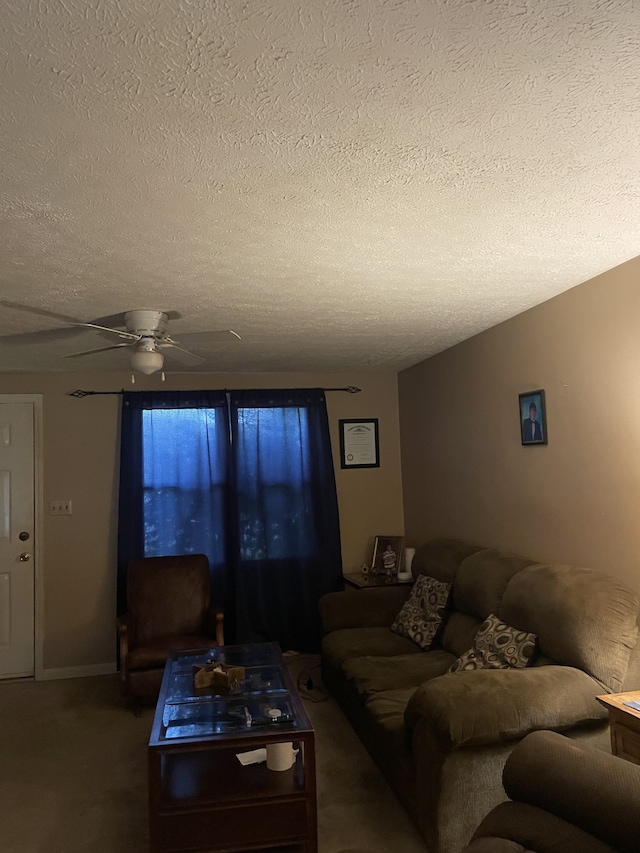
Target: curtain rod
(350,389)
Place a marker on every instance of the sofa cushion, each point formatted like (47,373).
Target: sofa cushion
(375,674)
(497,646)
(582,618)
(458,632)
(422,613)
(374,607)
(387,710)
(482,579)
(439,558)
(479,585)
(340,646)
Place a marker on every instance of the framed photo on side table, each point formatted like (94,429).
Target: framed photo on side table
(387,555)
(533,417)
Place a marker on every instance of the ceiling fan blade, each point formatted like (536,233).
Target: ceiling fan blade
(122,333)
(211,336)
(91,351)
(42,336)
(41,312)
(38,335)
(189,359)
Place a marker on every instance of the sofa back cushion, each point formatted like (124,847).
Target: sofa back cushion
(582,618)
(440,558)
(478,587)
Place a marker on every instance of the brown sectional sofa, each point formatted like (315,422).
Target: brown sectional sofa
(441,738)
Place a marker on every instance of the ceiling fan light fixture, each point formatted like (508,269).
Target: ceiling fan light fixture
(147,361)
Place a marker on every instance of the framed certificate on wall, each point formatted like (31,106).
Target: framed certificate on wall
(359,443)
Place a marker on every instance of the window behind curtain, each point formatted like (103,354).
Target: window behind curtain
(184,481)
(274,484)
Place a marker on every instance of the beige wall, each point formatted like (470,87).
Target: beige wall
(575,500)
(78,553)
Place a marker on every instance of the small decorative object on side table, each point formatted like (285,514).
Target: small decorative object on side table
(360,580)
(624,723)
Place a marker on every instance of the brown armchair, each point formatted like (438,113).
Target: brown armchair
(168,600)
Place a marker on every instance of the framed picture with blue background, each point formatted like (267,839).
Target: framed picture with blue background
(533,417)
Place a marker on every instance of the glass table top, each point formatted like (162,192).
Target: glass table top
(259,699)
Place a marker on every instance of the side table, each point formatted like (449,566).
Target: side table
(357,580)
(624,724)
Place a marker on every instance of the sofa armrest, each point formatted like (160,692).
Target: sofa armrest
(583,786)
(493,705)
(511,827)
(365,608)
(564,796)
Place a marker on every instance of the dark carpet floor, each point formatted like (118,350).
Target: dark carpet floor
(73,772)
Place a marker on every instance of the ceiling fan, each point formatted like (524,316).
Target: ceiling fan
(146,333)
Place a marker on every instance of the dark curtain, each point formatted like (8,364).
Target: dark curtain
(247,478)
(174,481)
(287,547)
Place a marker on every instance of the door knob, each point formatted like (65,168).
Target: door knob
(24,557)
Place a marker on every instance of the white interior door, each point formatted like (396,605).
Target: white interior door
(17,533)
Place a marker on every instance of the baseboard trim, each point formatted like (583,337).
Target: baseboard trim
(76,671)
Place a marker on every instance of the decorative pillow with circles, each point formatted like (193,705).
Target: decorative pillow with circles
(422,613)
(497,646)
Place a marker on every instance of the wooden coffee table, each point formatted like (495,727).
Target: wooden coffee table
(201,798)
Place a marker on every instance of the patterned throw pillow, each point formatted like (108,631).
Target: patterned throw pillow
(497,646)
(422,613)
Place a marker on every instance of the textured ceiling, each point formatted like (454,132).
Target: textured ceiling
(346,183)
